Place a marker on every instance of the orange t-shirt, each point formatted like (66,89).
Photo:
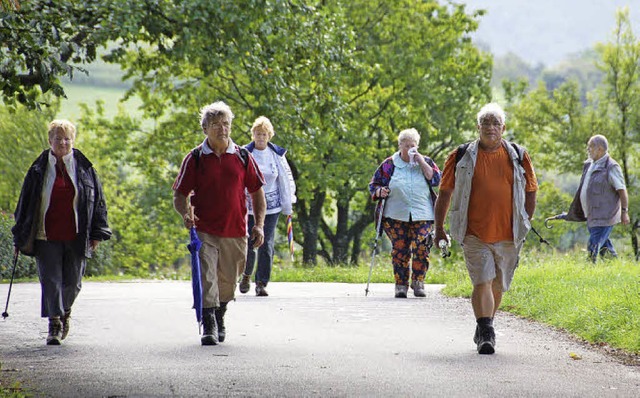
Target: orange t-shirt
(490,216)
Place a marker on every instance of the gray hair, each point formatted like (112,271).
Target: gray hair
(492,109)
(601,141)
(411,134)
(214,110)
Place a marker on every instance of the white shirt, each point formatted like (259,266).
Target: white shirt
(267,163)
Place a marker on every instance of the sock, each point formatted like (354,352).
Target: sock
(485,321)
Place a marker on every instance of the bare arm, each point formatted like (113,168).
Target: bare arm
(624,203)
(427,170)
(259,210)
(183,207)
(530,203)
(441,209)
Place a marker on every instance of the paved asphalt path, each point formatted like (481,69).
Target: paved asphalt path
(307,339)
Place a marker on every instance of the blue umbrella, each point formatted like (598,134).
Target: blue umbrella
(196,281)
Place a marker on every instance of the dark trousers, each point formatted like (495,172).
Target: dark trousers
(265,252)
(60,270)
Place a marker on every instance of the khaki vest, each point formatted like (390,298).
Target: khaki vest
(462,192)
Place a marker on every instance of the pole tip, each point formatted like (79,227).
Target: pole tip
(5,315)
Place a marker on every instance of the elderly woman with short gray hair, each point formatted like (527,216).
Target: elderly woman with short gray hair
(404,182)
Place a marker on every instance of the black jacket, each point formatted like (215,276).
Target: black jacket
(92,209)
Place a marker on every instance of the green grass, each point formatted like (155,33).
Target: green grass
(599,303)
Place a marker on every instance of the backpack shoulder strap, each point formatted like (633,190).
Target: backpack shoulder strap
(195,153)
(243,154)
(462,149)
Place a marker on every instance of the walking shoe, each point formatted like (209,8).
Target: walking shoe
(418,289)
(487,340)
(222,330)
(245,283)
(55,331)
(210,331)
(476,335)
(260,289)
(65,324)
(401,291)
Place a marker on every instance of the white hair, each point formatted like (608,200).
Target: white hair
(601,141)
(214,110)
(411,134)
(492,109)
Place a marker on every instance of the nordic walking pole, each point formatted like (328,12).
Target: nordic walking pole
(375,245)
(5,314)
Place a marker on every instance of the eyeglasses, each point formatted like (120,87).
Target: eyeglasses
(487,125)
(225,124)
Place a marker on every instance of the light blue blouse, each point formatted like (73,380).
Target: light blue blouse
(409,196)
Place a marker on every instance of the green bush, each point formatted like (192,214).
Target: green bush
(26,267)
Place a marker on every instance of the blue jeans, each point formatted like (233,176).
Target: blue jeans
(265,252)
(599,239)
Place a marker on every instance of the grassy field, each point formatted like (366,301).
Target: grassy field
(81,94)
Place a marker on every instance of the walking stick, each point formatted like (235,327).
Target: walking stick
(5,314)
(375,245)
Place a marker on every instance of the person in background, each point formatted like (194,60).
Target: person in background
(406,181)
(601,199)
(209,193)
(279,191)
(61,217)
(492,191)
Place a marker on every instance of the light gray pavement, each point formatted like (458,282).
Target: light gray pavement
(306,339)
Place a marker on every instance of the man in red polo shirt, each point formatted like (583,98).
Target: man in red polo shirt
(209,193)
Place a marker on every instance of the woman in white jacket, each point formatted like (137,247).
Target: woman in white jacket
(279,191)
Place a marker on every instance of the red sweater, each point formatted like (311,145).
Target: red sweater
(60,220)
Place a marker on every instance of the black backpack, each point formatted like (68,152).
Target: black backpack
(241,152)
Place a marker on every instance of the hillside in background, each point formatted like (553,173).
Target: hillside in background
(547,31)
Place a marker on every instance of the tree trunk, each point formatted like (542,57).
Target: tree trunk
(309,222)
(341,238)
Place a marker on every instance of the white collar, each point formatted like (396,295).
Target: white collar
(398,162)
(206,149)
(66,159)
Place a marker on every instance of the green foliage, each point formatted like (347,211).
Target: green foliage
(324,73)
(44,40)
(26,266)
(24,137)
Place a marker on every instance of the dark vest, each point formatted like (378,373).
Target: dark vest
(603,199)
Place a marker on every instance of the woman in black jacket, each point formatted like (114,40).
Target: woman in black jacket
(61,217)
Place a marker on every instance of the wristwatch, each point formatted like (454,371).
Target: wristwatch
(625,209)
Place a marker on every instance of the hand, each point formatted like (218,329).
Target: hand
(441,234)
(256,239)
(189,221)
(382,192)
(94,244)
(625,218)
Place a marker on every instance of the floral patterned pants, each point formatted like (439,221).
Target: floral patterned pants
(409,240)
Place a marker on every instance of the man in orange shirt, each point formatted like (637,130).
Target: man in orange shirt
(492,192)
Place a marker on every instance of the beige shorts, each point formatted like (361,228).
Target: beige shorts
(488,261)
